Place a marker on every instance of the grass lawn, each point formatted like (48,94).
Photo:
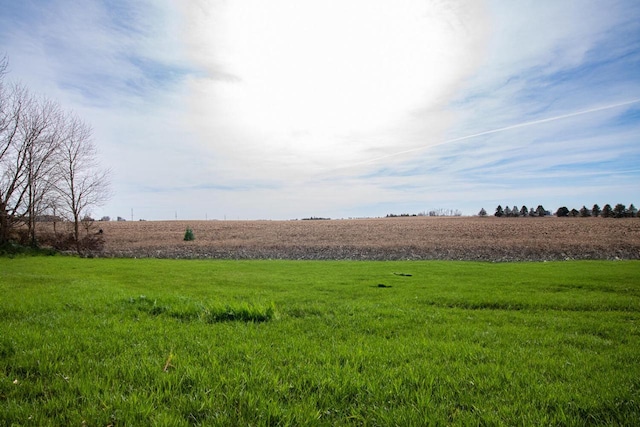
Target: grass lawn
(168,342)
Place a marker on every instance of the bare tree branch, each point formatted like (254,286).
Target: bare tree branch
(15,137)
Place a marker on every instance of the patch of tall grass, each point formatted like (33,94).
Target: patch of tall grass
(184,309)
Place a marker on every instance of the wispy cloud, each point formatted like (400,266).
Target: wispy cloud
(100,52)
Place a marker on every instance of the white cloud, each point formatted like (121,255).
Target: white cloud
(323,83)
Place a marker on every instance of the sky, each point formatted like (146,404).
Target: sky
(285,109)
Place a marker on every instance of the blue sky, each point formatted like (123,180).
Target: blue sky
(289,109)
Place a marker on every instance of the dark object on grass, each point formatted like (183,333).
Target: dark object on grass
(403,274)
(382,285)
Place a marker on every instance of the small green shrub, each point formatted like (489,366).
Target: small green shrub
(188,235)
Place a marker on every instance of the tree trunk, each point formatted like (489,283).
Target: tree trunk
(4,224)
(76,234)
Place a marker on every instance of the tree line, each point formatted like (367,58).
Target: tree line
(618,211)
(48,164)
(432,212)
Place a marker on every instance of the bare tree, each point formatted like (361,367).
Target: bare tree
(29,134)
(47,162)
(81,183)
(14,146)
(45,125)
(15,138)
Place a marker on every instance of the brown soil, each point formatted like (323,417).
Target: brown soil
(458,238)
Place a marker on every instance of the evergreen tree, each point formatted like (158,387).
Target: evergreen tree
(524,211)
(541,211)
(563,211)
(482,213)
(188,235)
(632,211)
(584,212)
(532,212)
(499,211)
(607,212)
(507,212)
(620,210)
(595,210)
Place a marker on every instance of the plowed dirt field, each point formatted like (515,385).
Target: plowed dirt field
(414,238)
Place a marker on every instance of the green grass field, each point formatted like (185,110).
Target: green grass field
(165,342)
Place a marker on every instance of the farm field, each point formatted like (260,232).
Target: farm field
(272,342)
(413,238)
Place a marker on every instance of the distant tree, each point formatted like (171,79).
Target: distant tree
(188,235)
(482,213)
(499,211)
(532,212)
(105,219)
(507,212)
(595,210)
(607,211)
(563,211)
(541,211)
(632,211)
(524,211)
(619,210)
(87,222)
(584,212)
(574,213)
(439,212)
